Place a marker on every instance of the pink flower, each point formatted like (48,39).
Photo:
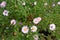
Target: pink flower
(37,20)
(5,13)
(3,4)
(58,3)
(13,21)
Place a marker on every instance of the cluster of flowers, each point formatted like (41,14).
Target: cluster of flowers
(25,29)
(35,3)
(5,12)
(52,4)
(35,21)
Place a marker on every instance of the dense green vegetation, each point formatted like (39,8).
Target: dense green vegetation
(25,14)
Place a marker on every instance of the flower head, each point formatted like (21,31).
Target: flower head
(25,29)
(52,27)
(35,37)
(23,3)
(33,28)
(58,3)
(13,22)
(35,3)
(37,20)
(5,13)
(53,5)
(3,4)
(45,4)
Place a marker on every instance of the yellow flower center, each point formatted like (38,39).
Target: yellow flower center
(32,28)
(25,29)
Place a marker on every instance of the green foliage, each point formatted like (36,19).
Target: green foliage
(49,14)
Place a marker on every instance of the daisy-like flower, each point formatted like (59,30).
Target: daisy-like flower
(45,4)
(37,20)
(53,5)
(23,3)
(33,28)
(35,37)
(35,3)
(3,4)
(13,21)
(25,29)
(5,13)
(52,27)
(58,3)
